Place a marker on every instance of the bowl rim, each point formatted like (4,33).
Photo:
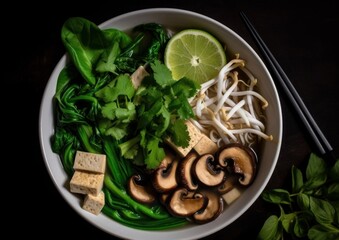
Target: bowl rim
(170,234)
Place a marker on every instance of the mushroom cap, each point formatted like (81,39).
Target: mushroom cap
(164,178)
(140,191)
(239,159)
(228,184)
(163,198)
(168,159)
(185,171)
(184,203)
(207,172)
(214,207)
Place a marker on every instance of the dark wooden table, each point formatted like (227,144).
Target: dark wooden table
(302,36)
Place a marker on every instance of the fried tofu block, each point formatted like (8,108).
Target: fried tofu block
(86,183)
(94,204)
(195,136)
(232,195)
(205,145)
(90,162)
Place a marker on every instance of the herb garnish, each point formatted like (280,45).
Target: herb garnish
(311,208)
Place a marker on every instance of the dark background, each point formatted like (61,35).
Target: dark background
(303,37)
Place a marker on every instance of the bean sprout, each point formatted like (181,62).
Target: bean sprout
(227,107)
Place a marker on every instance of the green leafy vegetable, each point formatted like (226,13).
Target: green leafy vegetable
(98,110)
(159,116)
(87,44)
(311,209)
(94,51)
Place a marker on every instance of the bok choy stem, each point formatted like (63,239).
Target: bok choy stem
(148,211)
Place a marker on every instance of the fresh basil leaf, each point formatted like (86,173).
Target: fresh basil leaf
(335,204)
(288,221)
(277,196)
(271,230)
(315,182)
(301,227)
(334,172)
(316,166)
(323,211)
(333,191)
(297,179)
(317,198)
(303,201)
(323,232)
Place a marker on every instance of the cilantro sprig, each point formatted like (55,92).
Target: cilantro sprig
(162,107)
(310,209)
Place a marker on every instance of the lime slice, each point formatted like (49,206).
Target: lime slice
(194,54)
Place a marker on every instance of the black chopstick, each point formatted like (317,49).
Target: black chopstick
(316,134)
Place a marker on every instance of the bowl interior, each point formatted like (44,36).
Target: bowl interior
(174,19)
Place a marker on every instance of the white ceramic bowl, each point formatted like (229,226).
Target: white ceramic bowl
(174,19)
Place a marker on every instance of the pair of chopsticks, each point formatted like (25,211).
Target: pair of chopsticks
(313,129)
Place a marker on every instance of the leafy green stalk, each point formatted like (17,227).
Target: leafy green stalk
(128,148)
(86,138)
(119,168)
(138,207)
(142,223)
(97,109)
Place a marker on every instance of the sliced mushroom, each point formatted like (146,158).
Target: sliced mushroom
(164,178)
(163,197)
(215,206)
(140,191)
(185,173)
(168,159)
(207,172)
(228,184)
(240,160)
(184,203)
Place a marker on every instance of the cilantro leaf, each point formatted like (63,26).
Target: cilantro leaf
(179,133)
(162,75)
(120,86)
(155,153)
(162,107)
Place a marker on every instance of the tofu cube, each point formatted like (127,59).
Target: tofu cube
(205,145)
(232,195)
(90,162)
(94,204)
(86,183)
(195,136)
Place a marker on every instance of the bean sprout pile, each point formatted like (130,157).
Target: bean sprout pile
(229,109)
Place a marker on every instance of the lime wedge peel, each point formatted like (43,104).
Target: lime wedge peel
(195,54)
